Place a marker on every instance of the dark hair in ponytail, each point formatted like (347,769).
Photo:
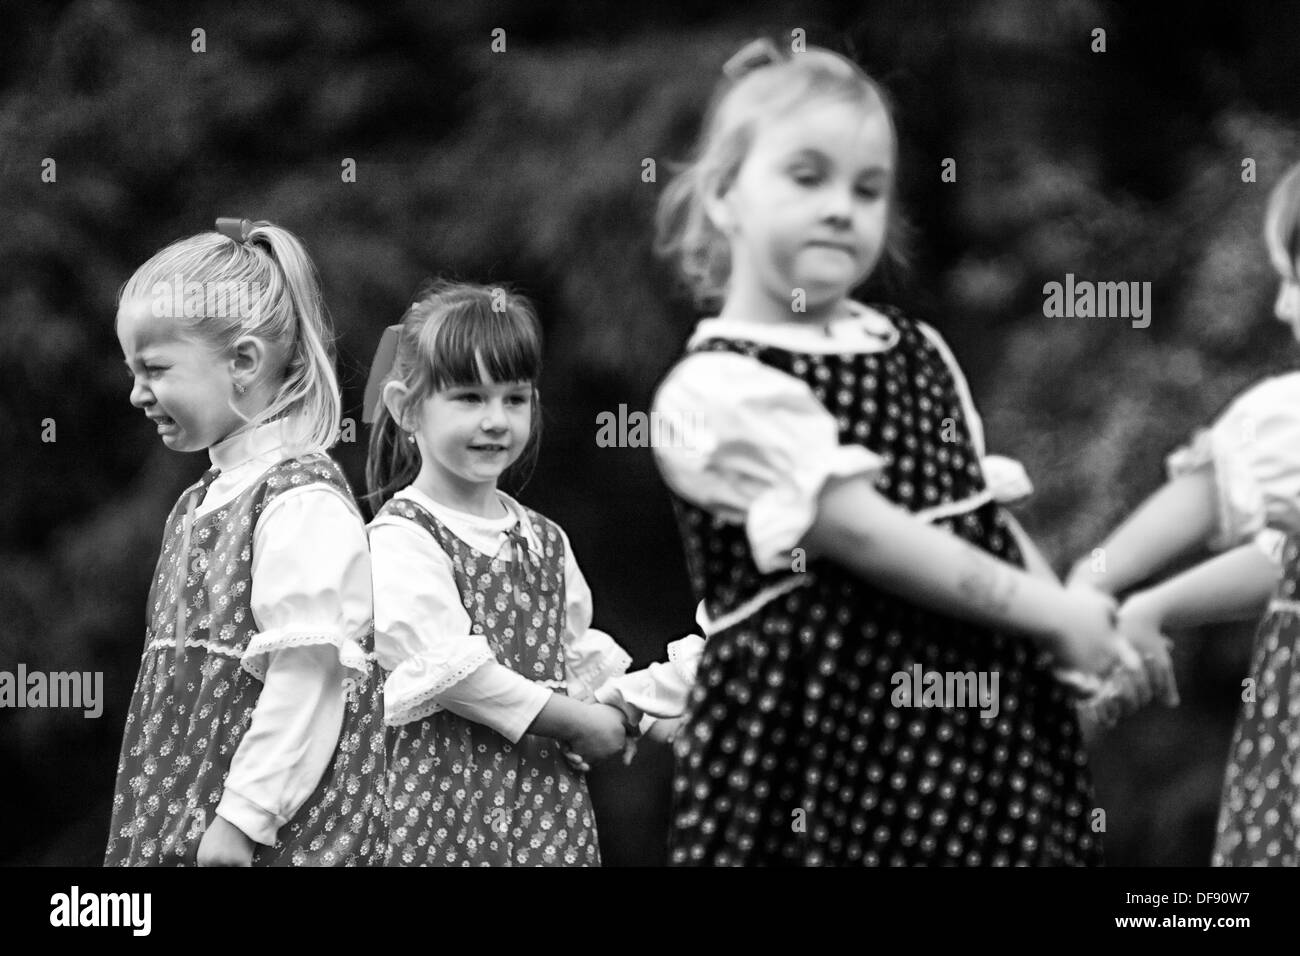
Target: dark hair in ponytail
(451,330)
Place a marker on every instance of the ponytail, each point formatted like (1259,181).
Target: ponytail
(392,463)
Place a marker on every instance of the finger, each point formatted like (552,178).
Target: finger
(1159,674)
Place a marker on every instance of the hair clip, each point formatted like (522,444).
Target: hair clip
(752,56)
(237,229)
(385,356)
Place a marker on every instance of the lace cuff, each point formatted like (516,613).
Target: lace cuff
(256,657)
(411,691)
(660,690)
(590,670)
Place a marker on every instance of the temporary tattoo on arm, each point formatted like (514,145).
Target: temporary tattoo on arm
(988,584)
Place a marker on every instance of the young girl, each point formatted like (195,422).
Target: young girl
(1239,481)
(255,732)
(482,616)
(839,528)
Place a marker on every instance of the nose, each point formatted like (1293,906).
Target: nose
(141,396)
(1287,306)
(837,204)
(494,416)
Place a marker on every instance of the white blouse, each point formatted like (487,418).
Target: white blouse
(425,638)
(758,447)
(1253,450)
(310,599)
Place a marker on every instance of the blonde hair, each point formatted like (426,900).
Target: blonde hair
(280,293)
(1282,223)
(747,96)
(449,335)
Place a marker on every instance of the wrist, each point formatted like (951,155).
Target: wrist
(1147,606)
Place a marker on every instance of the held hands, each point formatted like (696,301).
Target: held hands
(600,734)
(224,844)
(1135,664)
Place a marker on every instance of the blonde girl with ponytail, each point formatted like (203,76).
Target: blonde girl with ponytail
(255,731)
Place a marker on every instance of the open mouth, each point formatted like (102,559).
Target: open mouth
(488,449)
(163,422)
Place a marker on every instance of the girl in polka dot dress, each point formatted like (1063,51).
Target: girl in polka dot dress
(840,528)
(255,733)
(482,616)
(1236,487)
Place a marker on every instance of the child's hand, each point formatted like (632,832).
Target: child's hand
(601,734)
(224,844)
(1090,645)
(665,729)
(1141,625)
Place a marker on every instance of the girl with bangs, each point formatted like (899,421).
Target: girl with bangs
(482,614)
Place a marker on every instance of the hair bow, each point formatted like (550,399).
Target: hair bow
(385,356)
(752,56)
(237,229)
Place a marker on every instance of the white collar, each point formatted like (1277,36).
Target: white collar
(866,330)
(498,526)
(264,444)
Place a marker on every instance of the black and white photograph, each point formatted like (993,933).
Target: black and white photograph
(835,434)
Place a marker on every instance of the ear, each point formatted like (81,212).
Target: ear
(394,397)
(248,362)
(717,206)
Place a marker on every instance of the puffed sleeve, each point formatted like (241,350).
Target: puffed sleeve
(425,640)
(591,656)
(1253,450)
(754,446)
(311,602)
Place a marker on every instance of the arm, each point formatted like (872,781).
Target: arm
(894,550)
(1233,586)
(425,640)
(1174,521)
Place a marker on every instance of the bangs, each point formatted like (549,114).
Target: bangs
(473,338)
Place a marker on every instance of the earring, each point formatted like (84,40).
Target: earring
(241,388)
(410,437)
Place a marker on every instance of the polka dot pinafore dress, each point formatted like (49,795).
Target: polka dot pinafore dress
(1259,817)
(461,794)
(793,753)
(181,735)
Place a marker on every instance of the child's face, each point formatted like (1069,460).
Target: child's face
(473,433)
(180,382)
(809,205)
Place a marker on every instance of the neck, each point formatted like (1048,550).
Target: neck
(472,497)
(750,301)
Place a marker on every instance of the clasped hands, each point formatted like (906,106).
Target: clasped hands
(1114,656)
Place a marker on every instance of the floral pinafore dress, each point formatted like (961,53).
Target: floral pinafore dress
(182,733)
(460,794)
(794,752)
(1259,816)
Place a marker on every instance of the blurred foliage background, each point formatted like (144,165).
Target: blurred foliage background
(525,166)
